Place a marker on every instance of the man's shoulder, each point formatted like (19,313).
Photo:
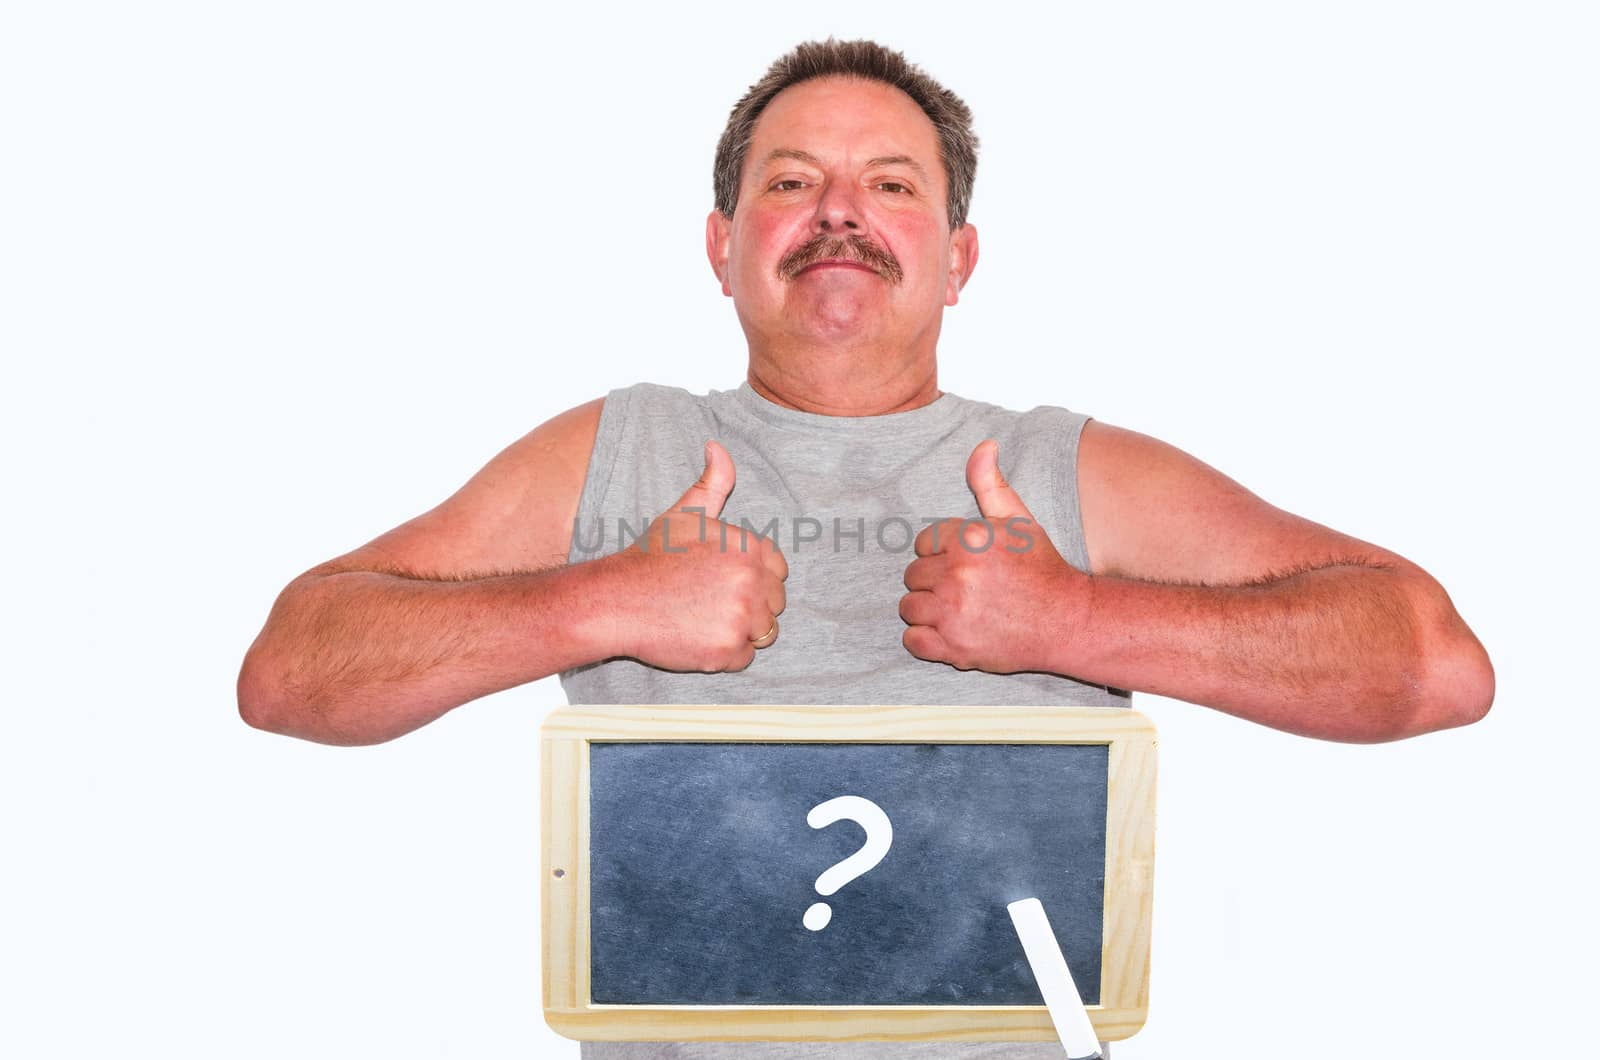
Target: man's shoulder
(1032,422)
(655,428)
(654,402)
(996,408)
(664,392)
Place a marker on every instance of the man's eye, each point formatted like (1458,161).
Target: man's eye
(894,186)
(788,185)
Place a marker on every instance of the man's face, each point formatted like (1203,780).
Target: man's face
(841,233)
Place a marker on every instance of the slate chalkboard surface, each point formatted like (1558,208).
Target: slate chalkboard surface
(680,869)
(702,864)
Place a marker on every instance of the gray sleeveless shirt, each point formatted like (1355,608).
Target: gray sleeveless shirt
(843,497)
(846,496)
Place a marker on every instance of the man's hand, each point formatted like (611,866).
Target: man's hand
(991,593)
(700,595)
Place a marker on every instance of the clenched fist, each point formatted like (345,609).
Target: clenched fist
(990,593)
(698,594)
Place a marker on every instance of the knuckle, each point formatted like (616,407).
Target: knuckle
(708,660)
(964,580)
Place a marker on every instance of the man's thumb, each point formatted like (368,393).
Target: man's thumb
(996,498)
(715,483)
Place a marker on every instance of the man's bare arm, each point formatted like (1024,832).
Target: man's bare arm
(359,657)
(469,598)
(1197,590)
(475,596)
(1203,592)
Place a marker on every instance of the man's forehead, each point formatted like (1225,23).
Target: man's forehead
(815,118)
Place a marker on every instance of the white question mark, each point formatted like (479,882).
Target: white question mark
(880,833)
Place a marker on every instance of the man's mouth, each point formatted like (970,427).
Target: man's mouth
(838,263)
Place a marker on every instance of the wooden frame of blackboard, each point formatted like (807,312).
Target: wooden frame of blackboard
(564,865)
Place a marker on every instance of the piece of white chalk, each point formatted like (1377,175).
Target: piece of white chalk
(1050,970)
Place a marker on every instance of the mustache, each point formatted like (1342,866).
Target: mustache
(859,249)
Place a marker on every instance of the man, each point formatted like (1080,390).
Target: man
(839,488)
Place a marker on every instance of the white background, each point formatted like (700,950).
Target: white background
(277,277)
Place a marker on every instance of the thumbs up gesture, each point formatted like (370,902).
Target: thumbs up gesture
(698,594)
(990,593)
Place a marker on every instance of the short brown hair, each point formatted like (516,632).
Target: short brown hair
(952,119)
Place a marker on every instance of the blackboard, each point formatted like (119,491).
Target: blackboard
(677,864)
(701,864)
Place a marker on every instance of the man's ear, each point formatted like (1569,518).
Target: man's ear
(718,231)
(963,259)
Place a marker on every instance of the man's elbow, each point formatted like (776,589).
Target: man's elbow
(263,703)
(1456,682)
(254,693)
(1469,688)
(266,703)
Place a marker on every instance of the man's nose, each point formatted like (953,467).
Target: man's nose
(838,211)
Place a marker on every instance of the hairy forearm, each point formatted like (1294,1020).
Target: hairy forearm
(1349,652)
(356,657)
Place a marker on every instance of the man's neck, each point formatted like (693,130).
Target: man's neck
(847,390)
